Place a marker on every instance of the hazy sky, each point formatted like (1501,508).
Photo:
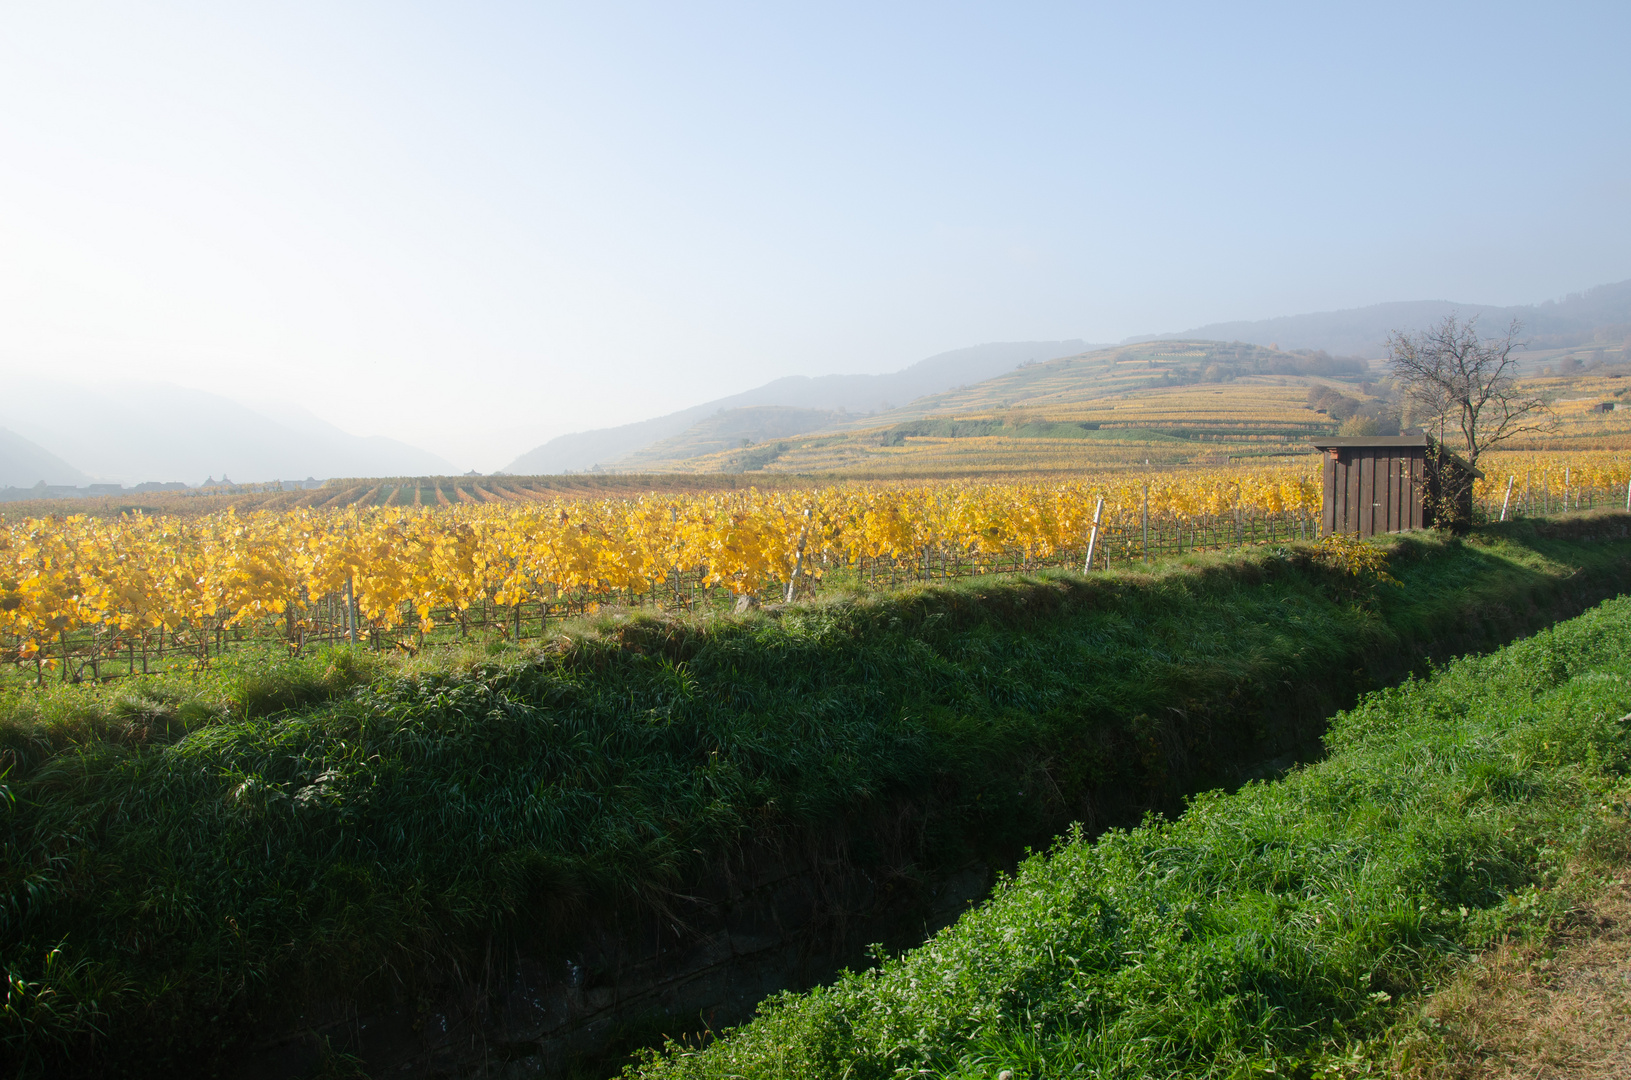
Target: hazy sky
(473,225)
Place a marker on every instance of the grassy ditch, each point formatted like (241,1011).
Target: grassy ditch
(1269,932)
(183,861)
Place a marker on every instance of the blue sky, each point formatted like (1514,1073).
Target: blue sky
(475,225)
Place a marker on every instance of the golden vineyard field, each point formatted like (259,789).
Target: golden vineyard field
(89,590)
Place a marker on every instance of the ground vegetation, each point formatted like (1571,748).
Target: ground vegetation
(1280,930)
(185,860)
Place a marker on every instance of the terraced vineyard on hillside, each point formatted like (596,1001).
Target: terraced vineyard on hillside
(1162,404)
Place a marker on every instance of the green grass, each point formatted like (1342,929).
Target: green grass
(184,860)
(1269,932)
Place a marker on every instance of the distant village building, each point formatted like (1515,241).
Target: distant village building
(1385,483)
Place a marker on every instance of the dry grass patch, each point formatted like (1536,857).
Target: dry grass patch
(1557,1008)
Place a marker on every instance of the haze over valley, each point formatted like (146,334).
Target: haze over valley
(152,432)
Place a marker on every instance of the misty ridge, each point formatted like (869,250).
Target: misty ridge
(1598,314)
(63,435)
(75,440)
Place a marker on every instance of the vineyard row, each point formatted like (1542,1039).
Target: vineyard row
(102,651)
(81,598)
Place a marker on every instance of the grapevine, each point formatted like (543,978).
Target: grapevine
(86,590)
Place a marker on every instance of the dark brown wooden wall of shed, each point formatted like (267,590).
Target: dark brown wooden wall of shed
(1375,489)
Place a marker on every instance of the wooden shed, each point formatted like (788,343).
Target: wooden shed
(1383,483)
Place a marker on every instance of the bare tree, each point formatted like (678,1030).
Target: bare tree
(1466,387)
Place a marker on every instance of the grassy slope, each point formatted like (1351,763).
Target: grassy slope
(1268,932)
(282,834)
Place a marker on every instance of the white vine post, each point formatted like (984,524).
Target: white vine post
(1146,521)
(798,561)
(1093,537)
(1509,482)
(1628,496)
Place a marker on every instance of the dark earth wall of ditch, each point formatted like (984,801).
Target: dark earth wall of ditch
(765,919)
(781,920)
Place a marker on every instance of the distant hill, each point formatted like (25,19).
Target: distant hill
(1165,401)
(853,393)
(156,431)
(24,464)
(1601,315)
(1102,373)
(729,429)
(1158,403)
(1604,311)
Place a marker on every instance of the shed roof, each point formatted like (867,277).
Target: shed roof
(1335,442)
(1379,442)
